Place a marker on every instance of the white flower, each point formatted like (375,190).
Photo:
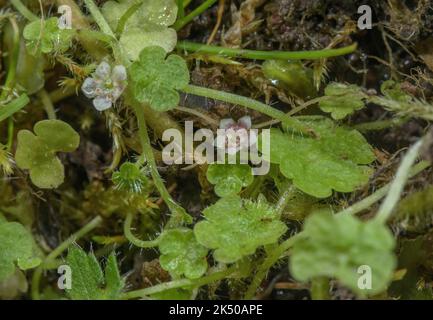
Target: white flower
(237,136)
(105,86)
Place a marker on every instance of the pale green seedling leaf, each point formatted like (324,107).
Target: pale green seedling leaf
(45,36)
(28,263)
(57,135)
(147,26)
(16,248)
(336,246)
(37,153)
(88,280)
(342,100)
(229,178)
(334,160)
(181,254)
(136,39)
(157,79)
(235,228)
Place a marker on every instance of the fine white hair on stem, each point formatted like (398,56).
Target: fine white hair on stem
(399,182)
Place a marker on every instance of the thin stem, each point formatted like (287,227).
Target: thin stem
(133,239)
(251,104)
(291,112)
(220,14)
(62,93)
(47,103)
(270,260)
(320,288)
(380,125)
(182,283)
(264,55)
(397,186)
(199,114)
(99,18)
(24,11)
(11,126)
(13,60)
(196,12)
(178,214)
(285,197)
(131,10)
(181,9)
(379,194)
(58,251)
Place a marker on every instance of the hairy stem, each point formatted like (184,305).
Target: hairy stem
(199,114)
(99,18)
(249,103)
(196,12)
(380,124)
(133,239)
(178,214)
(397,186)
(379,194)
(24,11)
(285,196)
(273,256)
(291,112)
(128,14)
(264,55)
(47,103)
(182,283)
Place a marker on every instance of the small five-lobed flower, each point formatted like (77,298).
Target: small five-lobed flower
(238,135)
(105,86)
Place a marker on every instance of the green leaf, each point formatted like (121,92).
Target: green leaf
(57,135)
(37,153)
(16,247)
(156,79)
(335,160)
(181,254)
(229,178)
(88,280)
(393,91)
(236,228)
(147,26)
(28,263)
(45,36)
(13,106)
(337,245)
(342,100)
(113,280)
